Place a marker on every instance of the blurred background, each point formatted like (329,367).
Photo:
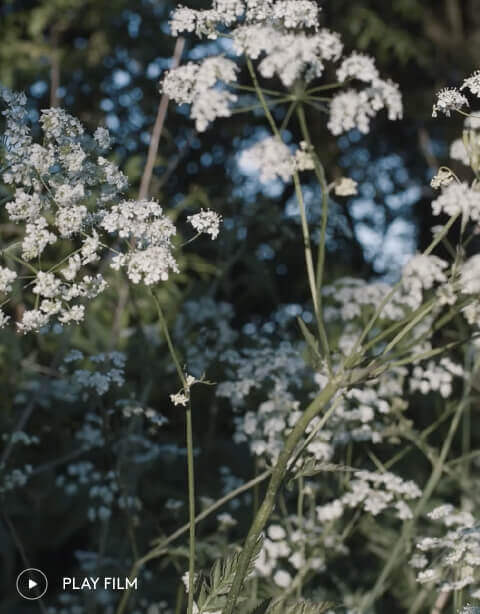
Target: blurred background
(102,61)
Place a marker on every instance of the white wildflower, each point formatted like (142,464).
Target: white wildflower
(32,320)
(449,99)
(358,66)
(282,578)
(418,561)
(473,83)
(179,398)
(458,198)
(102,138)
(47,285)
(329,511)
(296,13)
(276,532)
(74,314)
(443,177)
(150,259)
(442,511)
(349,110)
(7,277)
(207,222)
(345,187)
(25,206)
(195,84)
(203,23)
(271,158)
(421,273)
(304,160)
(37,237)
(459,152)
(470,275)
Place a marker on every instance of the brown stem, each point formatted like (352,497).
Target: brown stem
(54,68)
(157,129)
(441,602)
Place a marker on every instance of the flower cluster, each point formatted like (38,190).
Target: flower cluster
(66,196)
(374,492)
(148,232)
(284,37)
(195,84)
(54,185)
(457,564)
(207,222)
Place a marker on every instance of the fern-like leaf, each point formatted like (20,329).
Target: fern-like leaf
(299,607)
(214,589)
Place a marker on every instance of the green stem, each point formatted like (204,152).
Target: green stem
(162,543)
(278,474)
(353,354)
(306,234)
(191,509)
(322,180)
(190,459)
(396,555)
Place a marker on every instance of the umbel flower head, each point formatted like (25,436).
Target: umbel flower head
(67,199)
(285,39)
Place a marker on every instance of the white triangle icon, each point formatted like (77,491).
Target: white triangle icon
(31,584)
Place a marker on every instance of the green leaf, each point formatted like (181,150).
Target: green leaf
(215,587)
(300,607)
(311,468)
(260,608)
(312,343)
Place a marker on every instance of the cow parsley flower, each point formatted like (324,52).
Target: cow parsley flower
(345,187)
(421,273)
(271,157)
(304,160)
(358,66)
(196,84)
(288,56)
(455,556)
(458,198)
(7,277)
(296,13)
(443,178)
(150,258)
(203,23)
(354,109)
(207,222)
(473,83)
(459,152)
(470,275)
(449,99)
(102,138)
(349,110)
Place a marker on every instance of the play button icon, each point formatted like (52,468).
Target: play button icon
(32,584)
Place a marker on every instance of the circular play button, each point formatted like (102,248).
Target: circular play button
(32,584)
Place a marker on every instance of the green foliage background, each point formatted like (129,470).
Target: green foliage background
(108,57)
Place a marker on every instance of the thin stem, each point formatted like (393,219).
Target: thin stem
(288,116)
(328,86)
(158,128)
(190,459)
(254,107)
(305,230)
(248,88)
(320,174)
(353,354)
(399,550)
(191,509)
(163,542)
